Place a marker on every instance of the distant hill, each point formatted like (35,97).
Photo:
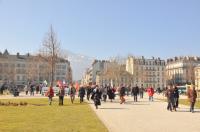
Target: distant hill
(79,63)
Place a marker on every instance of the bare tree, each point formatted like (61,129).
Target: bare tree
(51,51)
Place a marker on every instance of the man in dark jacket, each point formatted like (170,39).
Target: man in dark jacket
(176,97)
(110,92)
(72,93)
(170,98)
(122,93)
(81,93)
(141,91)
(89,91)
(97,96)
(61,94)
(192,96)
(135,92)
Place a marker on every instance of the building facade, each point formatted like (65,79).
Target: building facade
(197,77)
(146,72)
(22,68)
(92,73)
(115,75)
(87,78)
(180,70)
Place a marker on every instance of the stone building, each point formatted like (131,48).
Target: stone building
(146,72)
(180,70)
(22,68)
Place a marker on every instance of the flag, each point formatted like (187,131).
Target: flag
(45,83)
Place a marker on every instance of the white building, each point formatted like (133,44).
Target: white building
(93,74)
(180,70)
(87,78)
(146,72)
(197,77)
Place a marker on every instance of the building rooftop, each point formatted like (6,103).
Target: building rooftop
(183,58)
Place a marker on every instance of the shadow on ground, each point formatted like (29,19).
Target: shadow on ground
(114,108)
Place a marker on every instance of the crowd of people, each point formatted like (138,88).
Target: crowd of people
(101,93)
(107,92)
(172,94)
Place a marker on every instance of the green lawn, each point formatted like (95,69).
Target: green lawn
(40,117)
(186,102)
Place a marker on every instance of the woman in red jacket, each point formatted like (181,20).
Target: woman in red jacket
(150,92)
(50,94)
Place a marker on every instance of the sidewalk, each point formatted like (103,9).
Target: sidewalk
(145,116)
(21,96)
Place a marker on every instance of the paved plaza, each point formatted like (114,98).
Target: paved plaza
(145,116)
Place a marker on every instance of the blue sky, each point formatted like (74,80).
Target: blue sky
(103,28)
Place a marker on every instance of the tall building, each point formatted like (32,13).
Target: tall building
(180,70)
(197,77)
(146,72)
(91,74)
(103,72)
(87,78)
(22,68)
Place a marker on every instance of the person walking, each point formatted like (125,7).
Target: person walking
(61,94)
(141,91)
(81,93)
(150,92)
(89,91)
(50,94)
(135,92)
(192,96)
(104,93)
(32,89)
(97,96)
(26,89)
(122,93)
(176,97)
(37,89)
(110,92)
(72,93)
(170,99)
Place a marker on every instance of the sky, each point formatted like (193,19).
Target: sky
(103,28)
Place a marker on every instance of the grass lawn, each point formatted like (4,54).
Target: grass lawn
(40,117)
(186,102)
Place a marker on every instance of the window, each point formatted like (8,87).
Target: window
(24,78)
(158,74)
(18,78)
(63,67)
